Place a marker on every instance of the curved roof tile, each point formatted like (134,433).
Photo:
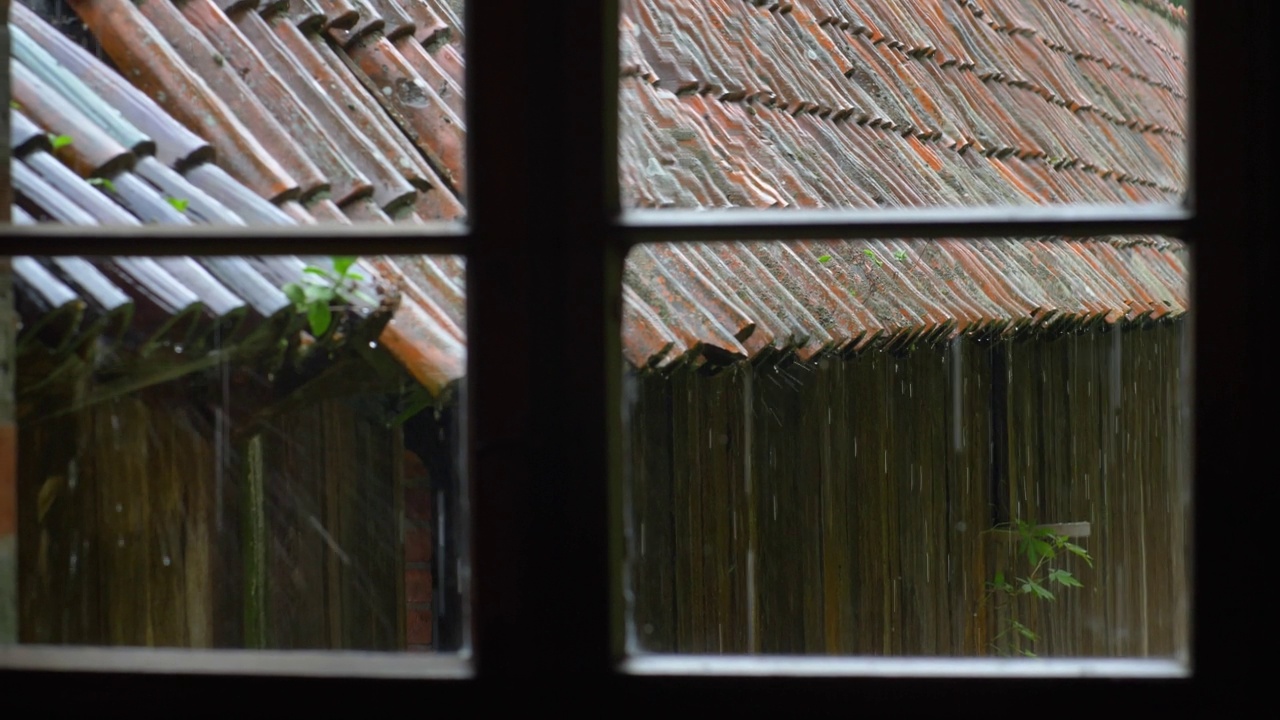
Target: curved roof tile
(814,103)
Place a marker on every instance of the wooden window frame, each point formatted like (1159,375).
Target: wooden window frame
(545,247)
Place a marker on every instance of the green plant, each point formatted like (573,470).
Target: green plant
(1041,546)
(824,259)
(102,183)
(59,141)
(322,290)
(872,254)
(178,203)
(901,255)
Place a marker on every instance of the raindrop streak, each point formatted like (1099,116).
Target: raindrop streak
(957,395)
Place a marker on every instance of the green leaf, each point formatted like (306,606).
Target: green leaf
(320,316)
(342,262)
(1062,577)
(59,141)
(1076,549)
(102,183)
(313,270)
(1037,549)
(1032,587)
(824,259)
(901,255)
(296,294)
(353,276)
(15,104)
(1028,653)
(1024,631)
(317,293)
(999,578)
(871,254)
(178,204)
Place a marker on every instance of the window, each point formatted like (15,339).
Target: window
(828,442)
(215,446)
(543,437)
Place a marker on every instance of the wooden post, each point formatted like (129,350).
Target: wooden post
(254,547)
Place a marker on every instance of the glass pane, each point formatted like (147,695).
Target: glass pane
(886,103)
(909,448)
(237,113)
(233,452)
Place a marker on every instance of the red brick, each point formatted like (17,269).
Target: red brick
(417,586)
(417,504)
(418,627)
(415,473)
(418,545)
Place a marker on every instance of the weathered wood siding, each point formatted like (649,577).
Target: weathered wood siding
(841,507)
(144,520)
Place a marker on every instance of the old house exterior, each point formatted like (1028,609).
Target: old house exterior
(819,433)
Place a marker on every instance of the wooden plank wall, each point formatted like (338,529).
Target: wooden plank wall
(117,526)
(334,563)
(136,527)
(843,507)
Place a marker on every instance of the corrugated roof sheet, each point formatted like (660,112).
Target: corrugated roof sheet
(351,110)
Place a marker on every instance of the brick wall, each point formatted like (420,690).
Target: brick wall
(419,547)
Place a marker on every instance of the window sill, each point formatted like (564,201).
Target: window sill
(277,663)
(881,667)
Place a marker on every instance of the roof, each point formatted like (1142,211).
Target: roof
(820,103)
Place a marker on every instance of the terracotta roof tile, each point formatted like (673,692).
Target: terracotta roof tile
(88,149)
(818,103)
(415,106)
(176,146)
(200,206)
(158,70)
(233,57)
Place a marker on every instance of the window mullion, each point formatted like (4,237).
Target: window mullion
(1233,192)
(543,332)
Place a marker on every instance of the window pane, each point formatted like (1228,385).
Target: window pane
(234,113)
(233,452)
(885,103)
(922,448)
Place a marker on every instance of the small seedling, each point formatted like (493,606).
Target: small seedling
(824,259)
(59,141)
(1041,546)
(320,287)
(178,203)
(872,254)
(102,182)
(15,104)
(901,255)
